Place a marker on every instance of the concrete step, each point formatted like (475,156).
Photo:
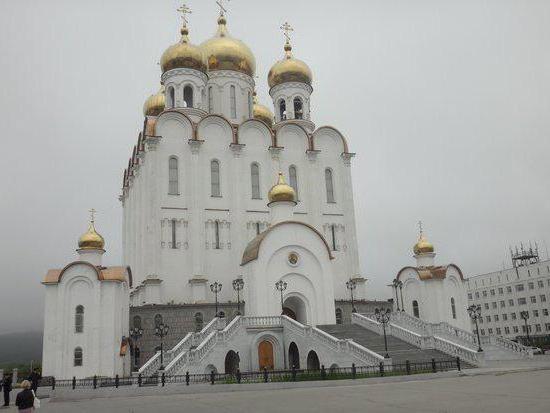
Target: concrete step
(398,350)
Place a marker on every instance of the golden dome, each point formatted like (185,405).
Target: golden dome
(289,69)
(423,246)
(281,191)
(222,52)
(91,240)
(183,54)
(262,112)
(154,104)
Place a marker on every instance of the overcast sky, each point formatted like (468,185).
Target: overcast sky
(445,102)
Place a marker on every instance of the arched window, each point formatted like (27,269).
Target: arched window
(282,109)
(173,176)
(453,307)
(217,235)
(258,228)
(158,320)
(210,99)
(329,184)
(293,178)
(79,319)
(78,357)
(198,322)
(215,178)
(298,109)
(333,236)
(255,179)
(203,97)
(137,321)
(338,316)
(233,102)
(171,97)
(249,105)
(188,96)
(416,311)
(174,242)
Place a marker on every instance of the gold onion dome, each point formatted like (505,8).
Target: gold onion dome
(262,112)
(91,240)
(223,52)
(183,55)
(281,191)
(423,246)
(289,69)
(154,104)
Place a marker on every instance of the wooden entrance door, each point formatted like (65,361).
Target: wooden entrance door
(265,355)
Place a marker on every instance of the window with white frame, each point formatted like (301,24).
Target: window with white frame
(188,96)
(255,180)
(173,176)
(233,102)
(210,100)
(215,189)
(329,186)
(78,357)
(79,319)
(293,179)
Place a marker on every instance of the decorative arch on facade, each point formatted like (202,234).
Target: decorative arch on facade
(257,124)
(435,272)
(277,348)
(333,132)
(178,116)
(299,129)
(217,120)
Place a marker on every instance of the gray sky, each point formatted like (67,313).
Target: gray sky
(445,102)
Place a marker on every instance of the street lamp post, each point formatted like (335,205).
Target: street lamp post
(238,285)
(161,331)
(400,285)
(383,317)
(281,286)
(135,335)
(525,316)
(351,285)
(216,287)
(474,311)
(395,285)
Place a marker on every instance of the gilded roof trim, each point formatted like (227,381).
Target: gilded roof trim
(432,272)
(117,274)
(253,248)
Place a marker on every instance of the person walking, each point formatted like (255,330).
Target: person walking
(6,387)
(25,398)
(35,378)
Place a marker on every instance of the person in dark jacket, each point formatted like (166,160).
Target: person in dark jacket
(35,378)
(6,387)
(25,398)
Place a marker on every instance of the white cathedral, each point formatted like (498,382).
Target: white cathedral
(205,200)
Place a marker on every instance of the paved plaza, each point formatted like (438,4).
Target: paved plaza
(499,391)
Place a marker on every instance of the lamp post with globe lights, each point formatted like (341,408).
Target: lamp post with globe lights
(216,287)
(383,317)
(238,285)
(135,335)
(351,285)
(474,311)
(161,331)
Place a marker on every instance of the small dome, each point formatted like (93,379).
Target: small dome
(289,69)
(183,55)
(91,240)
(262,112)
(154,104)
(222,52)
(281,191)
(423,246)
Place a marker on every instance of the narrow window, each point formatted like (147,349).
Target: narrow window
(255,179)
(416,311)
(215,178)
(174,240)
(217,235)
(78,357)
(333,236)
(173,176)
(249,106)
(233,102)
(329,186)
(258,228)
(203,97)
(293,177)
(210,99)
(137,321)
(198,322)
(79,319)
(171,97)
(453,308)
(282,109)
(188,96)
(338,316)
(298,109)
(158,320)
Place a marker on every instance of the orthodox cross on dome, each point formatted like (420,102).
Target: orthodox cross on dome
(287,28)
(184,10)
(420,230)
(92,215)
(223,10)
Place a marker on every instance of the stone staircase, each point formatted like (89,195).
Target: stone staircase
(399,350)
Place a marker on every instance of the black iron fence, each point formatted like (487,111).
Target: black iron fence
(265,376)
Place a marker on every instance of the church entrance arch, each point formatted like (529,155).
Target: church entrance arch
(265,355)
(231,362)
(313,361)
(293,356)
(295,308)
